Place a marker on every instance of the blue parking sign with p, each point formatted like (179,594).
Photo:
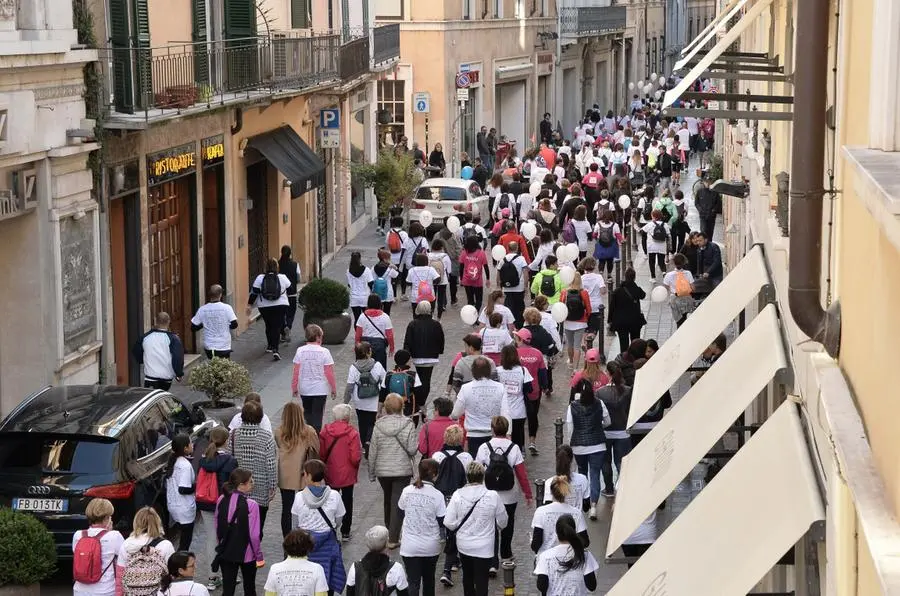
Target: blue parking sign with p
(330,119)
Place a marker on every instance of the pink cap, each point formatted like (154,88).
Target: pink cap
(592,355)
(524,335)
(504,212)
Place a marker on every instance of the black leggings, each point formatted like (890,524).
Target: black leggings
(287,501)
(420,572)
(357,313)
(656,258)
(532,407)
(454,280)
(475,575)
(627,336)
(605,264)
(644,241)
(184,533)
(503,539)
(517,433)
(386,307)
(229,577)
(273,317)
(347,499)
(474,296)
(366,424)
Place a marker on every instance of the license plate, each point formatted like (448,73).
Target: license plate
(32,504)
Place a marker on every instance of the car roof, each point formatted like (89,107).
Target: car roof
(98,410)
(451,182)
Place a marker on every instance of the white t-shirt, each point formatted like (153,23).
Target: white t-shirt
(396,256)
(396,577)
(493,340)
(133,544)
(411,246)
(669,279)
(110,545)
(595,286)
(282,298)
(519,263)
(417,275)
(582,234)
(646,533)
(375,326)
(564,582)
(693,125)
(237,422)
(444,258)
(480,401)
(309,518)
(545,518)
(508,497)
(313,359)
(296,576)
(508,318)
(182,508)
(655,246)
(684,138)
(185,588)
(216,318)
(359,287)
(389,274)
(421,533)
(513,379)
(526,204)
(579,490)
(369,404)
(475,538)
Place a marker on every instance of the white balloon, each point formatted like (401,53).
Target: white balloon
(572,252)
(529,230)
(559,312)
(648,89)
(662,80)
(658,95)
(535,188)
(640,83)
(425,218)
(566,275)
(468,314)
(624,201)
(561,253)
(653,76)
(498,252)
(659,294)
(452,223)
(631,85)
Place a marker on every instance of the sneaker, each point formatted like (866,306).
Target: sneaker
(446,580)
(345,537)
(454,568)
(609,494)
(393,545)
(593,512)
(269,350)
(276,356)
(214,583)
(533,448)
(492,572)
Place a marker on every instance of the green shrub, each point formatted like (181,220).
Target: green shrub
(323,298)
(220,378)
(27,551)
(716,168)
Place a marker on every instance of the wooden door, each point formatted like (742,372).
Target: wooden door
(257,219)
(213,227)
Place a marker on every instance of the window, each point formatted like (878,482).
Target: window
(498,9)
(519,9)
(391,112)
(152,431)
(178,418)
(300,17)
(467,9)
(388,10)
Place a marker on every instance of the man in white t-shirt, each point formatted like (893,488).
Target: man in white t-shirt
(216,319)
(514,293)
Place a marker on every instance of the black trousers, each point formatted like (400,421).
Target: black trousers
(290,312)
(708,226)
(627,336)
(263,512)
(474,575)
(392,487)
(184,533)
(605,264)
(366,425)
(273,317)
(424,371)
(218,354)
(454,282)
(503,538)
(644,241)
(532,408)
(314,410)
(357,312)
(420,572)
(517,435)
(656,258)
(229,577)
(157,384)
(441,299)
(634,550)
(678,236)
(473,443)
(287,501)
(475,296)
(386,307)
(515,302)
(347,499)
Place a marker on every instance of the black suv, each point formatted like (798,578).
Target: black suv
(63,446)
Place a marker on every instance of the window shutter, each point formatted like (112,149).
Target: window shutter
(240,19)
(143,56)
(300,14)
(120,40)
(199,36)
(240,47)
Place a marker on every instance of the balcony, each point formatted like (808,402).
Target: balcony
(354,58)
(13,206)
(576,22)
(145,84)
(386,43)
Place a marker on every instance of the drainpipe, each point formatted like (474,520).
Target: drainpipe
(807,178)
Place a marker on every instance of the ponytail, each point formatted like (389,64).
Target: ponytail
(217,438)
(238,477)
(559,488)
(428,469)
(566,532)
(180,442)
(564,457)
(616,378)
(177,561)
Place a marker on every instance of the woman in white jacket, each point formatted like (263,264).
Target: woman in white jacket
(473,514)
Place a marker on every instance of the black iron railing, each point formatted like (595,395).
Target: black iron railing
(592,20)
(386,43)
(184,75)
(354,58)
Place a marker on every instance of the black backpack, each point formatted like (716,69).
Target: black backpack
(372,583)
(548,285)
(509,273)
(659,231)
(451,474)
(470,230)
(499,475)
(666,214)
(504,201)
(270,288)
(575,306)
(648,210)
(605,236)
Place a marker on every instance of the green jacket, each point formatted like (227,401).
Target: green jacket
(661,202)
(539,279)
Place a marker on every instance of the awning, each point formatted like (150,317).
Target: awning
(722,45)
(761,504)
(691,428)
(677,354)
(709,32)
(291,156)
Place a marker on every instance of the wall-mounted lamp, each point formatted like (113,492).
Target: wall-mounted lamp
(241,241)
(242,146)
(284,218)
(287,183)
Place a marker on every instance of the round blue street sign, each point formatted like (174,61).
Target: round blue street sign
(421,105)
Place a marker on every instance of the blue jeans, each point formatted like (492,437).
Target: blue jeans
(616,450)
(591,465)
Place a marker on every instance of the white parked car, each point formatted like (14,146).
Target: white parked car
(444,197)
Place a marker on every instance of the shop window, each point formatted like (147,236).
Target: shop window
(358,127)
(391,112)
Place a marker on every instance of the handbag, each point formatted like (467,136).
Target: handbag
(638,303)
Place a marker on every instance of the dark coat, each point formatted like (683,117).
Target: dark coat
(424,337)
(625,307)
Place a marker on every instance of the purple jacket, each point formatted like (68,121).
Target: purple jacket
(254,552)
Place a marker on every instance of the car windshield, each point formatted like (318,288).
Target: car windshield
(441,193)
(56,454)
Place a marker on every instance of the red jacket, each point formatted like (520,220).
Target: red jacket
(512,236)
(340,449)
(434,431)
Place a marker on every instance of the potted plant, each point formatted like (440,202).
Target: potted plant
(325,303)
(27,554)
(224,382)
(393,178)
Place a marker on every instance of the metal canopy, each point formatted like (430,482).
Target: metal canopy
(709,32)
(784,99)
(731,114)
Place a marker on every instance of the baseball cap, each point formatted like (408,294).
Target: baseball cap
(505,212)
(592,355)
(525,335)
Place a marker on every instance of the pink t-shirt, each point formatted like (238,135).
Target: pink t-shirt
(602,380)
(533,361)
(472,268)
